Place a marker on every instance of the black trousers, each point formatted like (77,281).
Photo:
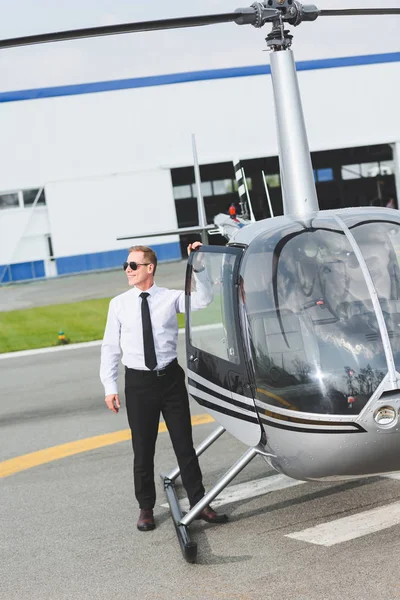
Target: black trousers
(148,395)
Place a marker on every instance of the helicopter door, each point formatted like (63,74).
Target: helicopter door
(217,371)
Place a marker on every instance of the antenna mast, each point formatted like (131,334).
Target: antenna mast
(200,202)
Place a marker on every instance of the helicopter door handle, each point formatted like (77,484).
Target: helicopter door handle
(193,358)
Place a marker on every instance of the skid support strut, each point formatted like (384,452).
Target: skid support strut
(189,548)
(213,493)
(200,449)
(182,522)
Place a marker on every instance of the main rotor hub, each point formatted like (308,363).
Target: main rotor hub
(279,38)
(268,11)
(292,11)
(278,12)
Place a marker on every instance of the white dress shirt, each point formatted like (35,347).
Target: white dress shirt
(124,331)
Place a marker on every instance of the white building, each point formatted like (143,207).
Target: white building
(104,160)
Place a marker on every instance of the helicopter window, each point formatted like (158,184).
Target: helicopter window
(212,328)
(314,336)
(380,246)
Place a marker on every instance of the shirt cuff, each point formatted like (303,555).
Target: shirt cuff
(111,388)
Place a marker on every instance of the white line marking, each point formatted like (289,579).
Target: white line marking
(52,349)
(251,489)
(349,528)
(392,476)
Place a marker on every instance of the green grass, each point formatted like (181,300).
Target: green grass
(39,327)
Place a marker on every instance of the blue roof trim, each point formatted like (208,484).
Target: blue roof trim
(140,82)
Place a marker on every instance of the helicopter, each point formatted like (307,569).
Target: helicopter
(298,353)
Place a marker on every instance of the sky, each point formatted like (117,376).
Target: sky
(153,53)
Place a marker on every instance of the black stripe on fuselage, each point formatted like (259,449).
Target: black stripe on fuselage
(207,390)
(303,421)
(225,411)
(358,428)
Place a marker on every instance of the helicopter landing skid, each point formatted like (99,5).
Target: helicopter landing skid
(181,521)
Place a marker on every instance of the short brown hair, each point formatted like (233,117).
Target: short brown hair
(149,255)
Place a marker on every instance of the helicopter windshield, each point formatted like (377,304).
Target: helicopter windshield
(315,341)
(379,243)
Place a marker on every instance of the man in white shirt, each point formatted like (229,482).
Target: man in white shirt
(142,324)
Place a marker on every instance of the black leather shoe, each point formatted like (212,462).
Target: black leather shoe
(146,520)
(209,515)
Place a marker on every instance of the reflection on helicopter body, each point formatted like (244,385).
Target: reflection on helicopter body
(316,344)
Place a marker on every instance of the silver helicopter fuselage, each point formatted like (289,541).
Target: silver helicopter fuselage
(321,300)
(317,316)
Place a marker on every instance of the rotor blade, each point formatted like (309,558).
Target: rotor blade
(181,231)
(339,12)
(126,28)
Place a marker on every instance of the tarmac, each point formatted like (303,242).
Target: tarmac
(83,286)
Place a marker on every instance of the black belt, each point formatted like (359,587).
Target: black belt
(155,372)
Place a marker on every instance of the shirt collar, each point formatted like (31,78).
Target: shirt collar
(150,291)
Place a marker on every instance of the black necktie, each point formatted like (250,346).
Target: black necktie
(150,359)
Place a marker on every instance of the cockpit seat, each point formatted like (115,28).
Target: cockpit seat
(278,344)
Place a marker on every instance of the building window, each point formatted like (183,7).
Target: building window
(351,172)
(9,200)
(365,170)
(386,167)
(182,191)
(273,181)
(222,187)
(29,197)
(206,188)
(370,169)
(209,188)
(22,198)
(323,175)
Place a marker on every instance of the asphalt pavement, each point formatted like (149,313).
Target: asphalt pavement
(68,526)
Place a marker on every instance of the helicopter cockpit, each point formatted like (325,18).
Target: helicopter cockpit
(305,318)
(316,341)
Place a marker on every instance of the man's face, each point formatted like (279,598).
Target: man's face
(143,274)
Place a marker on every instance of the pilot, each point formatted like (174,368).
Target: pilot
(142,324)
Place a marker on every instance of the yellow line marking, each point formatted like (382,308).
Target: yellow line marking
(41,457)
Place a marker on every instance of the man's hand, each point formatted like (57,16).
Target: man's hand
(193,246)
(113,402)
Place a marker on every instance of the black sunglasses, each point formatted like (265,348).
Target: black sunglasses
(133,265)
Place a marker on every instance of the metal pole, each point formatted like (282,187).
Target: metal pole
(251,214)
(200,202)
(200,449)
(300,196)
(396,160)
(271,212)
(213,493)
